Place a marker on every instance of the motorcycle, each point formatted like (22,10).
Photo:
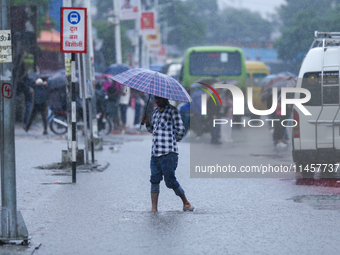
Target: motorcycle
(104,124)
(58,123)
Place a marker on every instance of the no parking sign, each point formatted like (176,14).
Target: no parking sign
(73,30)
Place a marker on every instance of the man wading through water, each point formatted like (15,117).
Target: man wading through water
(167,129)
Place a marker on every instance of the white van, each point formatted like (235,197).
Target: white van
(316,138)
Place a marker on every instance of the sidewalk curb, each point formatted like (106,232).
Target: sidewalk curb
(13,248)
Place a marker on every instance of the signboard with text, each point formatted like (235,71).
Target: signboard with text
(73,30)
(5,46)
(147,23)
(154,40)
(129,9)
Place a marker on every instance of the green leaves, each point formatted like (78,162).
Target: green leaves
(241,25)
(299,21)
(185,29)
(106,33)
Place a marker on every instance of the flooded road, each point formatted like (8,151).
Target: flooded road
(109,212)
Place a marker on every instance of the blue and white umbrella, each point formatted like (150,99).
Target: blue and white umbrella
(116,69)
(153,83)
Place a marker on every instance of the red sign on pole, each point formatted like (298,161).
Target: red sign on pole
(73,30)
(147,23)
(7,90)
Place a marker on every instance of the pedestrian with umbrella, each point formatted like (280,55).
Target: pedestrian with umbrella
(166,127)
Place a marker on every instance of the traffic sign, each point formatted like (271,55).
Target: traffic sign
(73,30)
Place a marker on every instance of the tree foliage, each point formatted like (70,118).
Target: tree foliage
(106,33)
(241,25)
(299,20)
(194,22)
(184,28)
(43,7)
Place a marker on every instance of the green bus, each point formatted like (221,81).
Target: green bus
(222,62)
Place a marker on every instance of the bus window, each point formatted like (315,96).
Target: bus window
(215,63)
(222,62)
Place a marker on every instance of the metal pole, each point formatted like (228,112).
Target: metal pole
(141,41)
(91,129)
(117,32)
(74,117)
(68,3)
(89,55)
(12,224)
(82,84)
(136,62)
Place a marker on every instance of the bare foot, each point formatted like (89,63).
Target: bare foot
(186,206)
(154,210)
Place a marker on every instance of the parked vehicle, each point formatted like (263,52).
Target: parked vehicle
(172,69)
(58,122)
(316,138)
(158,67)
(104,124)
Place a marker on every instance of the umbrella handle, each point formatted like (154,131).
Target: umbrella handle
(142,123)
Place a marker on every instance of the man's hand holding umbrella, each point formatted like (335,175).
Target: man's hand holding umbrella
(145,119)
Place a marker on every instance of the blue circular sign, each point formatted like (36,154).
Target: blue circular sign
(74,17)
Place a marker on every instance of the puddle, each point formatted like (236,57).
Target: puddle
(320,202)
(335,183)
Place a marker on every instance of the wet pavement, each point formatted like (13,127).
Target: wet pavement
(107,212)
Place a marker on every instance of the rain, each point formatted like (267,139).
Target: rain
(170,126)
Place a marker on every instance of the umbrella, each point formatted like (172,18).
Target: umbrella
(34,76)
(56,81)
(275,81)
(153,83)
(289,83)
(116,69)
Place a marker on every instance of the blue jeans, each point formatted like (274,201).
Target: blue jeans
(27,111)
(165,166)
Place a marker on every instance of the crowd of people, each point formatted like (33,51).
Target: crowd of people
(113,99)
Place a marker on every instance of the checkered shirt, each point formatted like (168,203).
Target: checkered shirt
(167,129)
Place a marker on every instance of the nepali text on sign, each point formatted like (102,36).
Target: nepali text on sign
(5,46)
(73,30)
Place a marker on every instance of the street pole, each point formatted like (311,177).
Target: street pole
(136,57)
(117,32)
(12,223)
(82,87)
(74,117)
(89,63)
(68,3)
